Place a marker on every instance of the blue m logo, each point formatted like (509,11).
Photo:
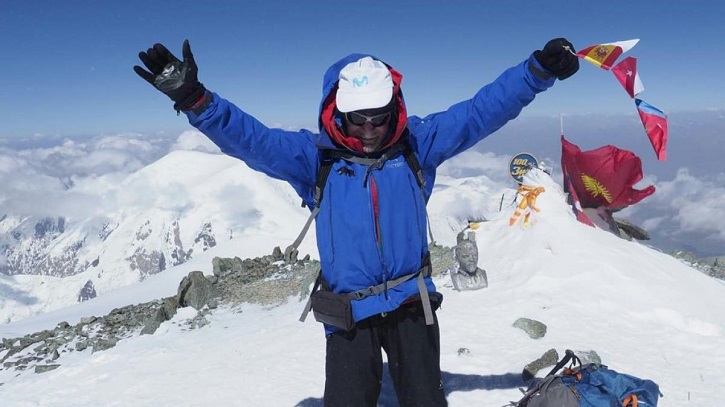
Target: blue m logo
(357,82)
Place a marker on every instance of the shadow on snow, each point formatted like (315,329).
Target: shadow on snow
(451,382)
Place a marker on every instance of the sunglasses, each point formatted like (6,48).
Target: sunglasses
(360,119)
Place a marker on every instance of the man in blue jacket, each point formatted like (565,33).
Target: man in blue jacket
(371,225)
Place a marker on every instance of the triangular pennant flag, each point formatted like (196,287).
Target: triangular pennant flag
(655,125)
(626,73)
(605,55)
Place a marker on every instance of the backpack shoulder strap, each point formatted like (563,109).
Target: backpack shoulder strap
(414,164)
(322,174)
(417,169)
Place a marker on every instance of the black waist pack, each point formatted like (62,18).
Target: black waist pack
(336,309)
(332,309)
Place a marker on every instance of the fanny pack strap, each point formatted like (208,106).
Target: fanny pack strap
(308,305)
(427,310)
(374,290)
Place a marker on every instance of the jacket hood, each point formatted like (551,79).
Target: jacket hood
(328,124)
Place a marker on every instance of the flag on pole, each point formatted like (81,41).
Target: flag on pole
(626,73)
(574,201)
(605,55)
(603,177)
(655,125)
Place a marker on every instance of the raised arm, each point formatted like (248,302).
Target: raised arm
(285,155)
(443,135)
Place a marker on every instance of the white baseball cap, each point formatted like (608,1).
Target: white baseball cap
(364,84)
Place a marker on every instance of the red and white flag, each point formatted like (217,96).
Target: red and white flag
(655,125)
(626,74)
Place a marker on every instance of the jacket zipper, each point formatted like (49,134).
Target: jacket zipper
(378,232)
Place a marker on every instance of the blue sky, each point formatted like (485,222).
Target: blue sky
(67,66)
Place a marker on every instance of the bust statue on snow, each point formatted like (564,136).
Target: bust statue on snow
(467,275)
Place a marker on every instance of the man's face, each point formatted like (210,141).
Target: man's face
(369,126)
(467,256)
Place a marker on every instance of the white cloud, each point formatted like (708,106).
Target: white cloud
(472,163)
(42,180)
(653,223)
(10,164)
(695,204)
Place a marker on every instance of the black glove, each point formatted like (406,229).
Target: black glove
(176,79)
(558,58)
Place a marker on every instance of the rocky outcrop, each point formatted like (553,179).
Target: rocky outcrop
(549,358)
(712,266)
(442,259)
(58,248)
(268,280)
(196,291)
(147,262)
(49,227)
(533,328)
(87,292)
(42,350)
(205,240)
(629,231)
(29,254)
(176,247)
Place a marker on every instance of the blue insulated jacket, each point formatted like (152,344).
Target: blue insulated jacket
(353,256)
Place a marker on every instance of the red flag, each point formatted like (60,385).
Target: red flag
(574,200)
(603,177)
(655,125)
(626,74)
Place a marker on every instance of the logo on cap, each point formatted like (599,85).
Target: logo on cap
(357,82)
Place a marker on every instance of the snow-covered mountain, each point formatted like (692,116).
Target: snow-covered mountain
(161,216)
(643,312)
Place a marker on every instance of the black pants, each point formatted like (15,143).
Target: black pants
(354,366)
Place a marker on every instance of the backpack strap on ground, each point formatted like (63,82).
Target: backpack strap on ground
(569,356)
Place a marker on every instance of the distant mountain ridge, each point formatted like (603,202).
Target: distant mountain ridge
(168,212)
(50,251)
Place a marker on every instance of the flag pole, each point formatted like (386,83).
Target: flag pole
(561,122)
